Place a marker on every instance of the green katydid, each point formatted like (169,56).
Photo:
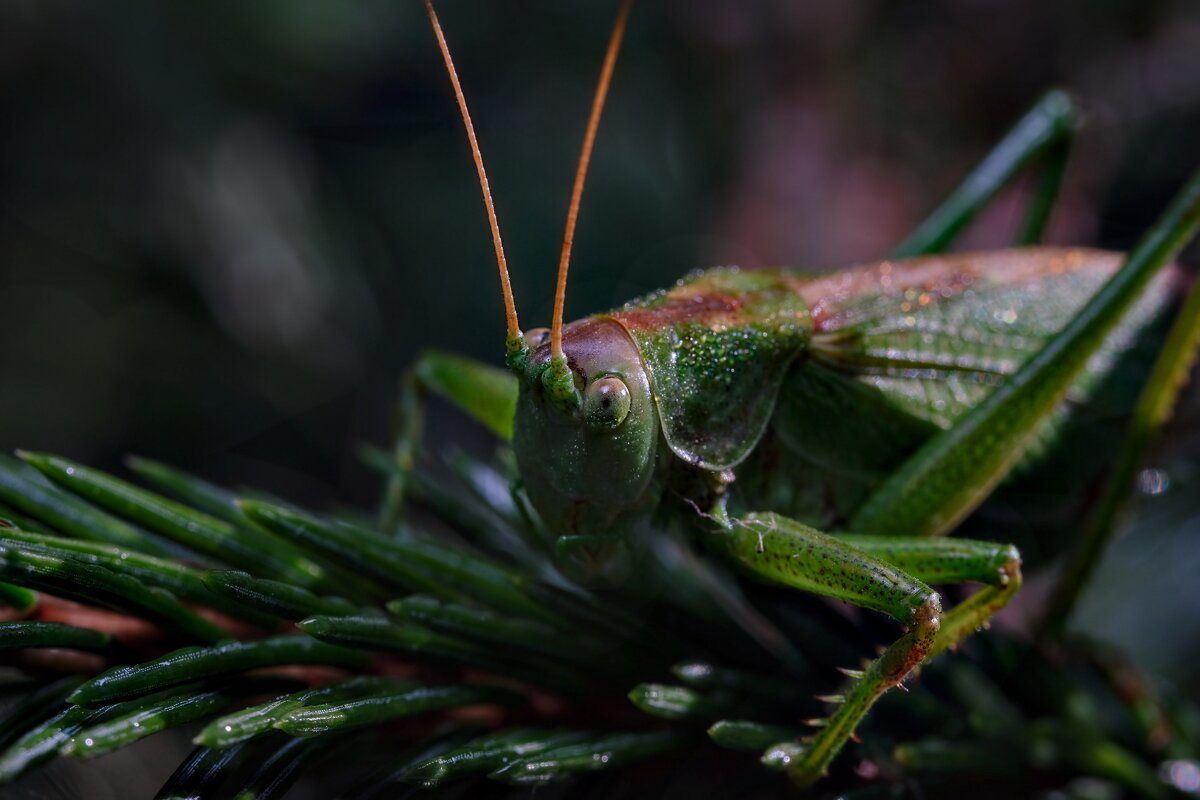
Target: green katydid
(821,431)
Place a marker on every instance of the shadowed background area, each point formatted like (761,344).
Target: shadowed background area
(225,228)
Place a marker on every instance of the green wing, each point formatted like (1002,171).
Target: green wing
(936,345)
(885,370)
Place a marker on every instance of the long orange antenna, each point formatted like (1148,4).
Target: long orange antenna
(589,138)
(510,306)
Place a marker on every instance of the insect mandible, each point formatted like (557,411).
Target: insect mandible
(822,431)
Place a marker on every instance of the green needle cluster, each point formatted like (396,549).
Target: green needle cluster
(430,662)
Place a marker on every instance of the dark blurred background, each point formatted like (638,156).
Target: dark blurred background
(225,228)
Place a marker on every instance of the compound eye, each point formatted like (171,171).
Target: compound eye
(537,336)
(606,403)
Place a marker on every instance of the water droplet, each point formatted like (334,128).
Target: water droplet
(1183,774)
(1153,481)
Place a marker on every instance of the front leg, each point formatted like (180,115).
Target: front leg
(483,392)
(880,574)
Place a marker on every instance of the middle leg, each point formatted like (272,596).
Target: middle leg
(879,573)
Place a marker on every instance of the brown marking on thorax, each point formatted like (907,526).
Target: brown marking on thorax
(683,304)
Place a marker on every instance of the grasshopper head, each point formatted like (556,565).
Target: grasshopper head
(586,428)
(587,464)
